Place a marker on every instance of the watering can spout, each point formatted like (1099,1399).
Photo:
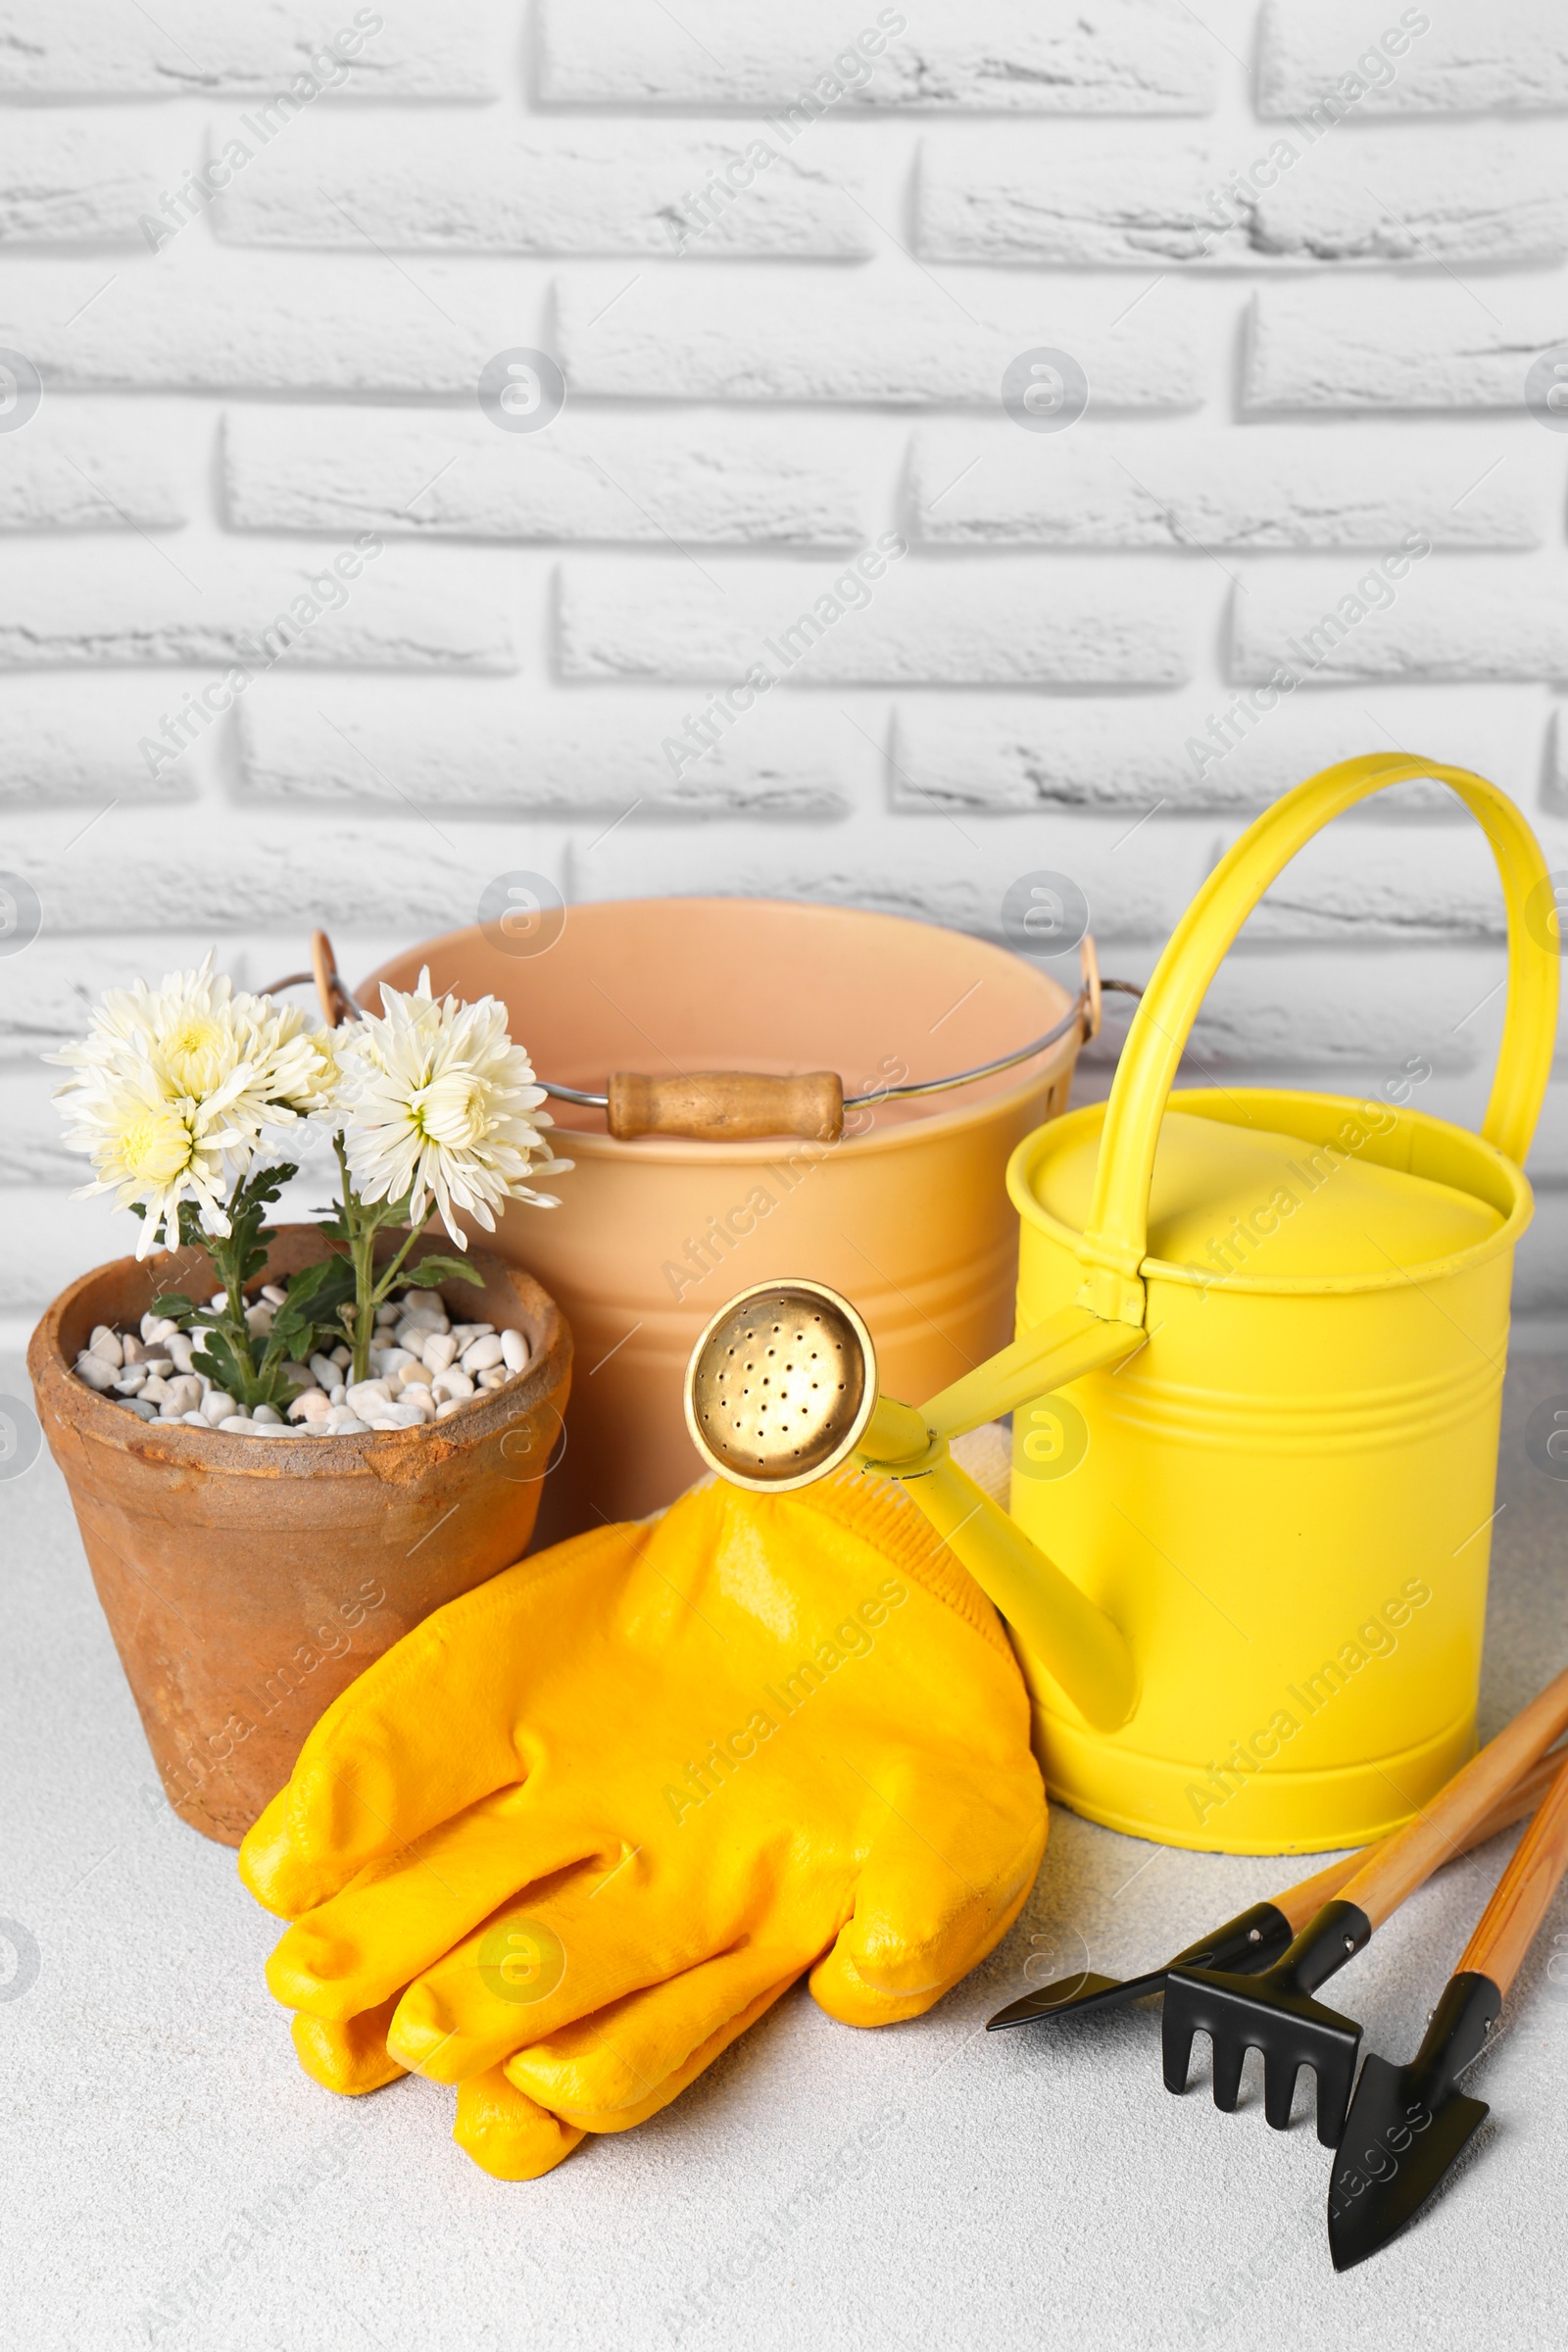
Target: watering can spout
(781,1389)
(1085,1653)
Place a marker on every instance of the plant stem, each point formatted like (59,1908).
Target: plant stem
(361,1223)
(389,1278)
(360,1231)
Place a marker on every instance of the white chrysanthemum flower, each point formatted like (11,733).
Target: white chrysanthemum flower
(297,1067)
(171,1087)
(438,1103)
(149,1147)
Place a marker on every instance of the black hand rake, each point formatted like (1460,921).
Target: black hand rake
(1274,2010)
(1256,1936)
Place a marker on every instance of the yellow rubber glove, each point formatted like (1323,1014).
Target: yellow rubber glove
(578,1831)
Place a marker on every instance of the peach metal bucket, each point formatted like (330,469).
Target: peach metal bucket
(907,1209)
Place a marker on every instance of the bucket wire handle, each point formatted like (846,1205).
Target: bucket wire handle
(1115,1242)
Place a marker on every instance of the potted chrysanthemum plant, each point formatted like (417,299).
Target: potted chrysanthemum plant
(428,1374)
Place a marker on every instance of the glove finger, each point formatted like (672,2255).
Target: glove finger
(515,2137)
(505,2132)
(622,2119)
(403,1914)
(351,2057)
(946,1875)
(601,2070)
(430,1727)
(552,1956)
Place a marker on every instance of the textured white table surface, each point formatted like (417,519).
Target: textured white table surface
(171,2177)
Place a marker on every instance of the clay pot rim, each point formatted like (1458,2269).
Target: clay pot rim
(481,1419)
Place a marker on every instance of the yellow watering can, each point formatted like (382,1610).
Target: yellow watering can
(1255,1399)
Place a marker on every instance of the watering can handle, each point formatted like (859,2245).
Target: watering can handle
(1115,1242)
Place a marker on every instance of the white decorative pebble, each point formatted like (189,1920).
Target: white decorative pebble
(416,1378)
(218,1300)
(514,1350)
(495,1376)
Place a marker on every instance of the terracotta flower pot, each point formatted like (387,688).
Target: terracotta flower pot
(247,1581)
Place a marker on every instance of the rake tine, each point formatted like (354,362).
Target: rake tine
(1279,2077)
(1229,2056)
(1176,2050)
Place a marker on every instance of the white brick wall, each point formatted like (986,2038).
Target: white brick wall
(1305,253)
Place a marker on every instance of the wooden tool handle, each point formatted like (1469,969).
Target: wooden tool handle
(1407,1859)
(1304,1902)
(718,1106)
(1507,1925)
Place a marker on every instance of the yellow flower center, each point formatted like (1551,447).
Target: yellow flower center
(156,1145)
(450,1111)
(193,1055)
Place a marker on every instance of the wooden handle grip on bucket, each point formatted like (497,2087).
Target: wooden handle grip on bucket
(718,1106)
(1115,1242)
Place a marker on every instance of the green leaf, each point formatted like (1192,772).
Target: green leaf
(174,1304)
(230,1369)
(220,1359)
(432,1270)
(316,1296)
